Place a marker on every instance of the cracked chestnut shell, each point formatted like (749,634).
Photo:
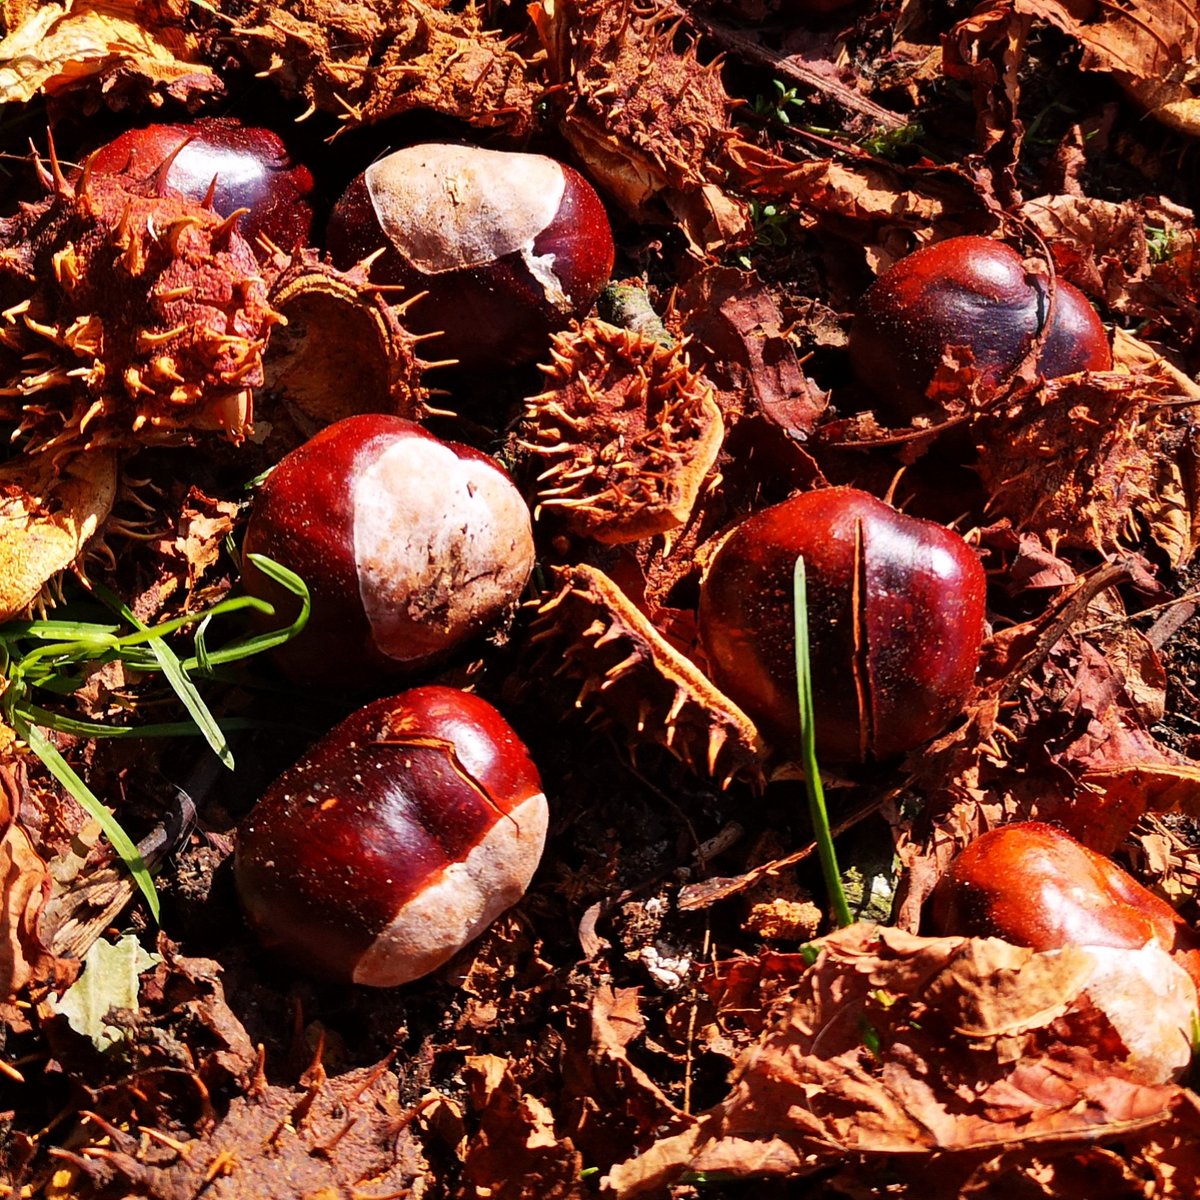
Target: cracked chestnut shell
(246,167)
(409,546)
(507,247)
(896,612)
(973,292)
(395,841)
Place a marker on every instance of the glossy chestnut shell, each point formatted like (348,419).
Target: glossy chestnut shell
(506,247)
(246,167)
(896,614)
(395,841)
(970,292)
(409,546)
(1033,885)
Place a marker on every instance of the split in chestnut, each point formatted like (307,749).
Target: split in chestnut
(244,166)
(409,546)
(970,292)
(895,610)
(506,247)
(395,841)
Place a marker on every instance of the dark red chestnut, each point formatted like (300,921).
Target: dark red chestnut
(896,609)
(507,246)
(395,841)
(251,169)
(409,546)
(970,292)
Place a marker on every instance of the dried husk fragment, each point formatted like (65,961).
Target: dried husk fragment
(650,122)
(48,515)
(342,351)
(126,317)
(370,61)
(637,680)
(628,433)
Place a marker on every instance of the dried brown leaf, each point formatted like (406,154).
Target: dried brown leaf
(873,1058)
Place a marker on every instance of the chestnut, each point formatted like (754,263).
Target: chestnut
(246,167)
(1035,886)
(896,613)
(506,247)
(971,292)
(395,841)
(409,546)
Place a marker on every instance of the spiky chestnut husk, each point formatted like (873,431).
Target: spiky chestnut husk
(634,678)
(629,432)
(343,351)
(49,512)
(126,317)
(376,59)
(650,123)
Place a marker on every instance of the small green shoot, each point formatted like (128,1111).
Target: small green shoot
(887,143)
(817,811)
(55,657)
(1161,243)
(778,104)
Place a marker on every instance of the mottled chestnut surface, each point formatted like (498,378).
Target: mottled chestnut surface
(896,608)
(395,841)
(507,247)
(970,292)
(1036,886)
(409,546)
(245,166)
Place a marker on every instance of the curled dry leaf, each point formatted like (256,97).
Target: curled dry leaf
(634,678)
(1150,49)
(369,61)
(897,1045)
(1094,462)
(24,888)
(118,50)
(650,122)
(517,1154)
(127,317)
(49,513)
(628,433)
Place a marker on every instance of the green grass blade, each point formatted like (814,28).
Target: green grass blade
(258,642)
(177,677)
(121,843)
(817,810)
(48,719)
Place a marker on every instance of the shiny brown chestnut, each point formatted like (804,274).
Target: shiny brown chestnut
(1035,886)
(507,247)
(895,613)
(409,546)
(395,841)
(970,292)
(245,166)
